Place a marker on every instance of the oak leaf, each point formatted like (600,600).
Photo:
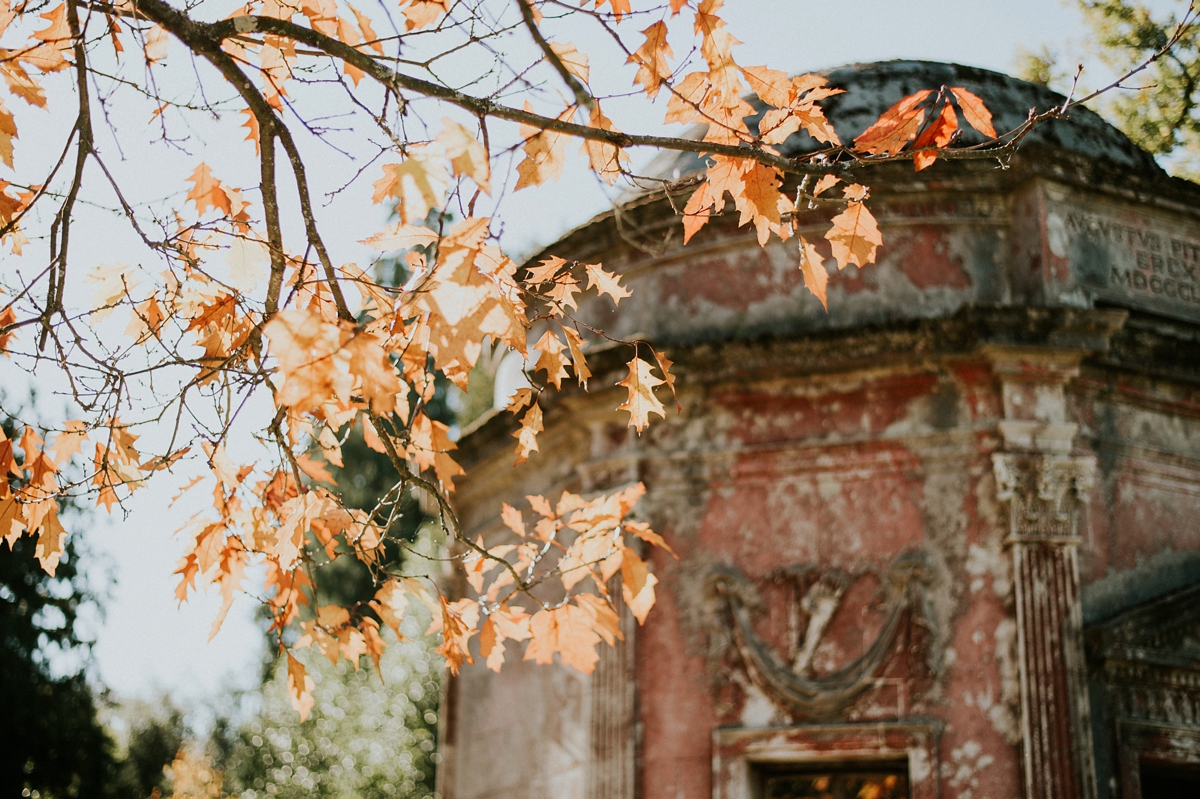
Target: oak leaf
(370,38)
(458,626)
(68,442)
(422,13)
(664,366)
(12,522)
(22,84)
(651,58)
(575,62)
(466,154)
(416,184)
(545,154)
(975,112)
(619,7)
(760,201)
(155,46)
(854,236)
(552,358)
(8,132)
(813,269)
(401,237)
(51,537)
(512,519)
(641,402)
(50,56)
(637,585)
(575,344)
(772,86)
(531,425)
(824,184)
(545,270)
(207,192)
(299,686)
(606,160)
(895,127)
(605,282)
(936,135)
(567,630)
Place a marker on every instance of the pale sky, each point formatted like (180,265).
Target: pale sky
(146,645)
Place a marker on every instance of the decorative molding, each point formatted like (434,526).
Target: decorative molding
(1139,742)
(738,752)
(1043,492)
(791,685)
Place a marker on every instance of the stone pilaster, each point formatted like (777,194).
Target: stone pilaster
(612,767)
(1044,486)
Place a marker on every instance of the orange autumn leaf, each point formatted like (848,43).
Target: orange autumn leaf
(466,154)
(568,631)
(824,184)
(854,236)
(420,14)
(895,128)
(531,425)
(664,366)
(637,585)
(370,38)
(251,125)
(641,401)
(619,7)
(651,58)
(207,192)
(8,132)
(813,269)
(605,282)
(760,201)
(606,160)
(545,155)
(975,112)
(22,84)
(552,359)
(50,56)
(299,687)
(936,135)
(575,62)
(575,344)
(457,626)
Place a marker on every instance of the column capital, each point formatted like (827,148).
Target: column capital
(1043,492)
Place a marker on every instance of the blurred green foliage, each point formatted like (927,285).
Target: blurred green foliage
(1158,107)
(366,738)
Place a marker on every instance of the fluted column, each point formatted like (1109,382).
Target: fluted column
(1044,487)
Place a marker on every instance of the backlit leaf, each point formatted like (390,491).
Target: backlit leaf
(641,402)
(975,112)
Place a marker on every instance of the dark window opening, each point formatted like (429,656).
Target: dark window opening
(1169,779)
(853,780)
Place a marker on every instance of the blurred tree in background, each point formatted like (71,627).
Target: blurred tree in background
(366,738)
(1159,109)
(151,735)
(56,746)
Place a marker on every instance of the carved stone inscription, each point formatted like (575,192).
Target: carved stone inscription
(1149,266)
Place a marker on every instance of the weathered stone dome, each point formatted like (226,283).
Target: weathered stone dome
(872,88)
(1043,226)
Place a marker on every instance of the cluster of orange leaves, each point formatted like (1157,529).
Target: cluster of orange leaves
(334,366)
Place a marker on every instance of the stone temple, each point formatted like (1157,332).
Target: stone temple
(943,540)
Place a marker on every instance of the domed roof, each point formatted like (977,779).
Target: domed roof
(872,88)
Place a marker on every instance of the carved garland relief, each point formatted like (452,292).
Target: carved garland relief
(790,681)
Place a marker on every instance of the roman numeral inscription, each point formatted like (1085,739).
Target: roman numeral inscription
(1158,269)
